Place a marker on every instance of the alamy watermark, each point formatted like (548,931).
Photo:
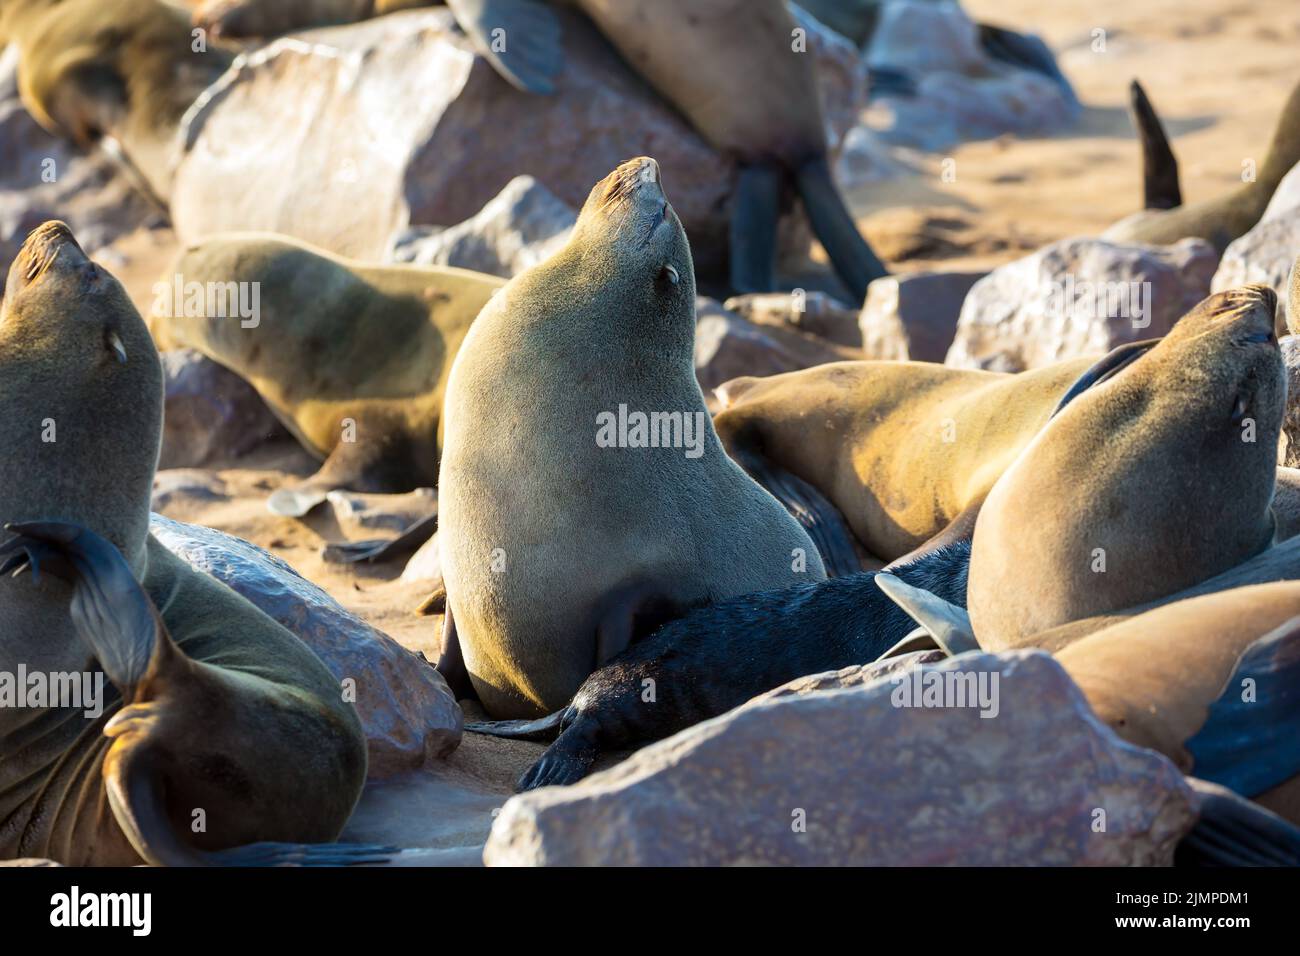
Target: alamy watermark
(81,690)
(624,429)
(1094,300)
(947,689)
(179,299)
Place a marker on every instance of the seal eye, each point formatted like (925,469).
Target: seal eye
(669,274)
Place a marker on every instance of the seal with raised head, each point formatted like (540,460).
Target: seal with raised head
(585,497)
(119,74)
(891,453)
(212,706)
(1145,485)
(1166,220)
(353,358)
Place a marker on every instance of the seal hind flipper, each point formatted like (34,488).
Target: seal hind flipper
(377,464)
(372,551)
(566,761)
(520,38)
(948,624)
(451,661)
(296,502)
(819,517)
(1233,831)
(854,261)
(757,207)
(1027,51)
(1250,741)
(1160,187)
(545,728)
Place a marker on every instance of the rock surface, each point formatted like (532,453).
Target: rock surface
(1076,297)
(845,777)
(406,709)
(210,414)
(522,226)
(1264,255)
(913,316)
(727,347)
(395,121)
(815,313)
(426,563)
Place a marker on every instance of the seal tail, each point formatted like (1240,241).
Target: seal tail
(1233,831)
(854,261)
(1159,165)
(948,624)
(544,729)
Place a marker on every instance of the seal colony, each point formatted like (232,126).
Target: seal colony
(200,677)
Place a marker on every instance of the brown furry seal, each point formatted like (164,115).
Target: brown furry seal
(1219,220)
(352,358)
(116,73)
(1170,470)
(584,494)
(215,713)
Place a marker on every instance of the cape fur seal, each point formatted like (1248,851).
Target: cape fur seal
(897,450)
(113,73)
(1171,470)
(352,358)
(1219,220)
(213,706)
(562,538)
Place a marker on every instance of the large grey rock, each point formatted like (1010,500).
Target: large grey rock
(1291,419)
(522,226)
(1264,255)
(210,414)
(1286,198)
(815,313)
(728,346)
(849,777)
(406,709)
(1078,296)
(960,93)
(42,178)
(394,121)
(913,316)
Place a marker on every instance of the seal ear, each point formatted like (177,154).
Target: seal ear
(948,624)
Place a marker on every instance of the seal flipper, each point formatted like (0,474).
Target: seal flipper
(357,552)
(545,728)
(520,38)
(948,624)
(1106,368)
(813,510)
(855,262)
(756,207)
(1233,831)
(451,661)
(566,761)
(1250,741)
(379,464)
(1160,189)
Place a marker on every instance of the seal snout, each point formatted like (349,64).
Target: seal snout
(637,178)
(43,246)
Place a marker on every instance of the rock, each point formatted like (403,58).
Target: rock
(1286,198)
(406,709)
(395,121)
(29,861)
(42,178)
(865,158)
(847,777)
(813,312)
(1078,296)
(362,513)
(727,347)
(855,676)
(1264,255)
(523,226)
(913,316)
(426,563)
(180,484)
(210,414)
(1291,419)
(958,91)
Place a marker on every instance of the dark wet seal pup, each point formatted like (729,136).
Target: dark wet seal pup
(1220,220)
(717,657)
(213,706)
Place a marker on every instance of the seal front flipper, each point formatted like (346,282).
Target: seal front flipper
(357,552)
(520,38)
(948,624)
(1106,368)
(819,517)
(1250,741)
(1159,165)
(1233,831)
(854,261)
(566,761)
(376,464)
(757,207)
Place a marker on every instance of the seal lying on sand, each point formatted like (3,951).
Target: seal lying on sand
(565,532)
(1219,221)
(1152,482)
(352,358)
(214,707)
